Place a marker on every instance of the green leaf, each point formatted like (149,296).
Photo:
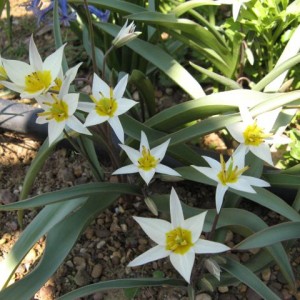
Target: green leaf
(145,89)
(219,78)
(246,276)
(186,6)
(121,284)
(282,180)
(161,60)
(288,64)
(64,234)
(68,194)
(47,218)
(269,236)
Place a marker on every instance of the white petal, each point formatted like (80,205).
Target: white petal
(156,229)
(133,154)
(72,72)
(147,175)
(160,151)
(204,246)
(126,170)
(239,154)
(124,105)
(117,128)
(166,170)
(220,191)
(235,10)
(255,181)
(53,62)
(144,141)
(208,172)
(72,101)
(152,254)
(31,95)
(263,152)
(176,212)
(120,87)
(77,126)
(195,225)
(246,115)
(86,106)
(34,56)
(242,185)
(214,164)
(236,130)
(268,119)
(100,88)
(24,69)
(12,86)
(183,263)
(54,130)
(93,118)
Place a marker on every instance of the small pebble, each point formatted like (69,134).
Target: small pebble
(223,289)
(97,271)
(203,296)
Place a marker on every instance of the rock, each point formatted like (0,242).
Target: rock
(103,233)
(266,274)
(100,244)
(6,196)
(203,296)
(79,262)
(98,296)
(82,278)
(46,293)
(223,289)
(97,271)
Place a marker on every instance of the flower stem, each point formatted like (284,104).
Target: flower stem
(191,292)
(104,60)
(213,228)
(91,34)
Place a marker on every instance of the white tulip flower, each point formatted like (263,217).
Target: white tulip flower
(108,105)
(180,239)
(236,6)
(59,109)
(125,35)
(36,78)
(254,134)
(229,175)
(146,161)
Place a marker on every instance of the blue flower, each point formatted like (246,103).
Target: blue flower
(102,15)
(65,17)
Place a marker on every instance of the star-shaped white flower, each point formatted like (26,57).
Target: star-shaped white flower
(254,134)
(146,161)
(36,78)
(59,110)
(108,104)
(236,6)
(229,175)
(180,239)
(125,35)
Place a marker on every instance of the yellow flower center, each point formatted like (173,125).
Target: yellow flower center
(57,86)
(254,135)
(36,81)
(58,110)
(3,74)
(231,174)
(147,161)
(179,240)
(106,106)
